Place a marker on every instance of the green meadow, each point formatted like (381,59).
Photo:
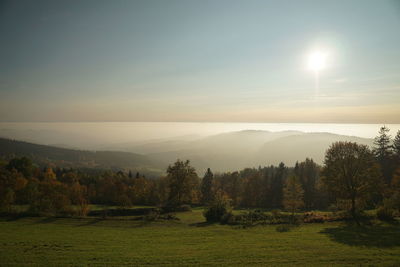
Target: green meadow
(123,241)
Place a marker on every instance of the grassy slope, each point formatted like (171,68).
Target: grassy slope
(58,242)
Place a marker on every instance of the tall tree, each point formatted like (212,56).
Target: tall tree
(383,153)
(395,190)
(293,194)
(396,148)
(351,174)
(277,186)
(207,192)
(182,181)
(253,190)
(308,174)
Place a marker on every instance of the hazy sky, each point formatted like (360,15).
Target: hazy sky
(199,61)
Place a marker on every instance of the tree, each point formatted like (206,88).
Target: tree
(253,190)
(293,194)
(218,208)
(22,165)
(308,174)
(49,174)
(351,173)
(383,153)
(79,197)
(140,190)
(234,188)
(394,192)
(396,148)
(277,186)
(382,143)
(182,181)
(12,184)
(207,193)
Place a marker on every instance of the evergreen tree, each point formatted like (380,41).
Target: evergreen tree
(308,174)
(207,192)
(277,186)
(395,190)
(396,148)
(383,153)
(382,144)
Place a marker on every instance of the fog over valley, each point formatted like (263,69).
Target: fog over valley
(219,146)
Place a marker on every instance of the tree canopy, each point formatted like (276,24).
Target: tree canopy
(350,173)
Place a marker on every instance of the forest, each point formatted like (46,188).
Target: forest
(353,178)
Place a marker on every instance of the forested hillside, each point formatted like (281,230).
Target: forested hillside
(45,155)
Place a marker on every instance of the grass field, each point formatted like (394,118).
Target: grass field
(111,242)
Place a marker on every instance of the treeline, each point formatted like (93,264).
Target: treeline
(65,191)
(353,177)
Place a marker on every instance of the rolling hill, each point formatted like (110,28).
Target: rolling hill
(43,154)
(222,152)
(236,150)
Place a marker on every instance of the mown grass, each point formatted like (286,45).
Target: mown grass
(111,242)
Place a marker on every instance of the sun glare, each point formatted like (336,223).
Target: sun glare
(316,61)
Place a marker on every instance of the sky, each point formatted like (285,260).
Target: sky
(199,61)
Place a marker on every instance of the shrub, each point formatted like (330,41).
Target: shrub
(276,213)
(168,217)
(228,218)
(385,213)
(152,216)
(218,210)
(215,212)
(83,209)
(256,217)
(311,217)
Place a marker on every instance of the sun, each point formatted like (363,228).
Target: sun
(316,61)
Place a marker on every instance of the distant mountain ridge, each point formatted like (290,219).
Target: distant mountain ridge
(250,148)
(298,147)
(221,152)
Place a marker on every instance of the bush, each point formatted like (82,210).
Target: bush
(228,218)
(311,217)
(168,217)
(276,213)
(252,218)
(218,211)
(385,213)
(152,216)
(215,213)
(257,217)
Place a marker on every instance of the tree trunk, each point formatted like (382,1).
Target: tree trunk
(353,210)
